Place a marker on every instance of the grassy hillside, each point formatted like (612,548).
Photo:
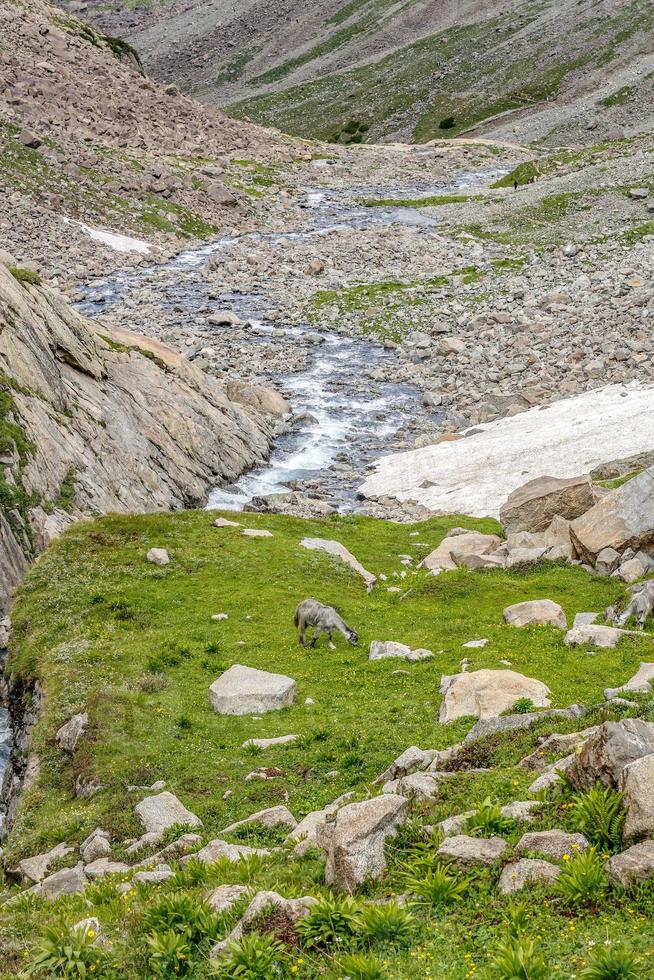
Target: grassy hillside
(464,74)
(135,646)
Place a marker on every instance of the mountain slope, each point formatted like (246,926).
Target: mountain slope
(399,70)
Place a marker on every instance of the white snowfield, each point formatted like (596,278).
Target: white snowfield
(119,243)
(474,475)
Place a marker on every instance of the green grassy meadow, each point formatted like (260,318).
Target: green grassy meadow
(135,646)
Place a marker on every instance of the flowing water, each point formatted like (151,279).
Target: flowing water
(347,419)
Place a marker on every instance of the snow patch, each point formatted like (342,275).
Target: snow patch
(474,475)
(119,243)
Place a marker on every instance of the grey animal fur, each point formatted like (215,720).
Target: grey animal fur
(640,606)
(323,619)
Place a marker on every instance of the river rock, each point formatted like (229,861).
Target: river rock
(622,519)
(554,843)
(533,506)
(536,612)
(519,874)
(338,550)
(248,691)
(69,734)
(164,810)
(487,693)
(380,649)
(632,866)
(470,852)
(355,841)
(259,397)
(605,754)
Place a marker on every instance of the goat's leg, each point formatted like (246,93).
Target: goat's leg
(331,644)
(303,638)
(317,632)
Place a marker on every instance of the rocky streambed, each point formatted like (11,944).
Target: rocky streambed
(346,413)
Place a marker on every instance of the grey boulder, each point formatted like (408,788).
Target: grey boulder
(536,612)
(354,842)
(164,810)
(248,691)
(605,753)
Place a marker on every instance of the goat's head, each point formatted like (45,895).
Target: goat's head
(352,637)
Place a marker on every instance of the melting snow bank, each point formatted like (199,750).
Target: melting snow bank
(119,243)
(474,475)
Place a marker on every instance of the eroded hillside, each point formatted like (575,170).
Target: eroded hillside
(372,69)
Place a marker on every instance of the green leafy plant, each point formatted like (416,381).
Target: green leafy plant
(175,831)
(169,953)
(522,706)
(611,963)
(64,951)
(599,816)
(447,123)
(385,924)
(360,966)
(583,881)
(184,914)
(434,886)
(25,276)
(518,959)
(253,957)
(488,820)
(333,919)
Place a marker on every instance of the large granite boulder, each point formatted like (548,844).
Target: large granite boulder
(463,544)
(639,683)
(536,612)
(622,519)
(487,693)
(164,810)
(354,842)
(247,691)
(637,784)
(282,914)
(534,505)
(632,866)
(593,634)
(604,755)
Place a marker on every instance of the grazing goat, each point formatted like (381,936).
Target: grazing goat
(640,606)
(323,619)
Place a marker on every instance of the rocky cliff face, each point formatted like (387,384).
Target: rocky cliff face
(89,424)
